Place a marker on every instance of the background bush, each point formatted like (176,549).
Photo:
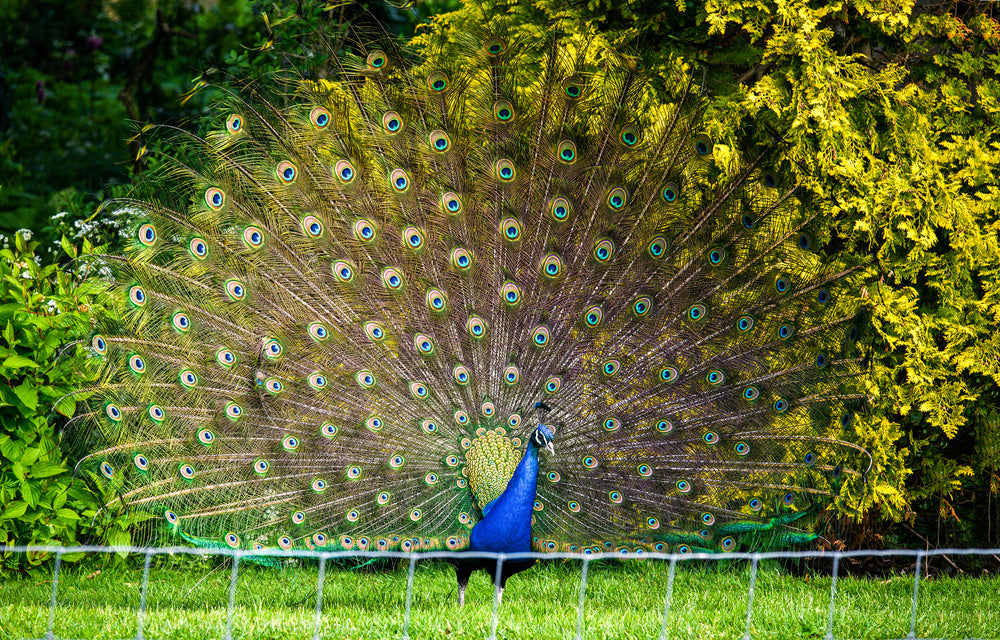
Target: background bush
(46,312)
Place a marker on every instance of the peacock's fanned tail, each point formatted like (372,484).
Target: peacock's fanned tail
(343,311)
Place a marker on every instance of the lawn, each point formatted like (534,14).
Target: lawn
(187,599)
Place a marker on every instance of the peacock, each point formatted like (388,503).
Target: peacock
(506,298)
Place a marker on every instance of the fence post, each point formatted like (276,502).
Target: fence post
(233,577)
(753,581)
(319,595)
(581,601)
(913,607)
(141,617)
(409,597)
(497,594)
(52,602)
(833,595)
(667,598)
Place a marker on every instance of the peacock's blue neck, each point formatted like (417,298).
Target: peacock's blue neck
(506,527)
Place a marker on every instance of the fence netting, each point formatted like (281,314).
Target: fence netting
(241,558)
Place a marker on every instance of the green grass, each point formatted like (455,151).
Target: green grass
(188,598)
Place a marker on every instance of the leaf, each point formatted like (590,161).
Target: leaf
(116,537)
(68,514)
(66,407)
(31,493)
(27,394)
(46,469)
(16,509)
(67,246)
(30,456)
(19,362)
(7,447)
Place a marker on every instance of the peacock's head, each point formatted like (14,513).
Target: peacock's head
(543,437)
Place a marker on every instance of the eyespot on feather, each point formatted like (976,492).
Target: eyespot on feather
(437,81)
(376,60)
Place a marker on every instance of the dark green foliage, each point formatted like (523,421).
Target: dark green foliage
(45,310)
(67,98)
(77,77)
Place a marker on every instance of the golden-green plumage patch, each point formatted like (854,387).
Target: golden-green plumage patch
(491,460)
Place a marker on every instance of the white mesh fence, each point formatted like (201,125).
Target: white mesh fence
(239,558)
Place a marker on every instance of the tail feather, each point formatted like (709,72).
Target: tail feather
(349,291)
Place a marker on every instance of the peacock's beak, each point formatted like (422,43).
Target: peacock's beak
(550,448)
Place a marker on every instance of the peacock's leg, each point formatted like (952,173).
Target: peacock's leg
(462,573)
